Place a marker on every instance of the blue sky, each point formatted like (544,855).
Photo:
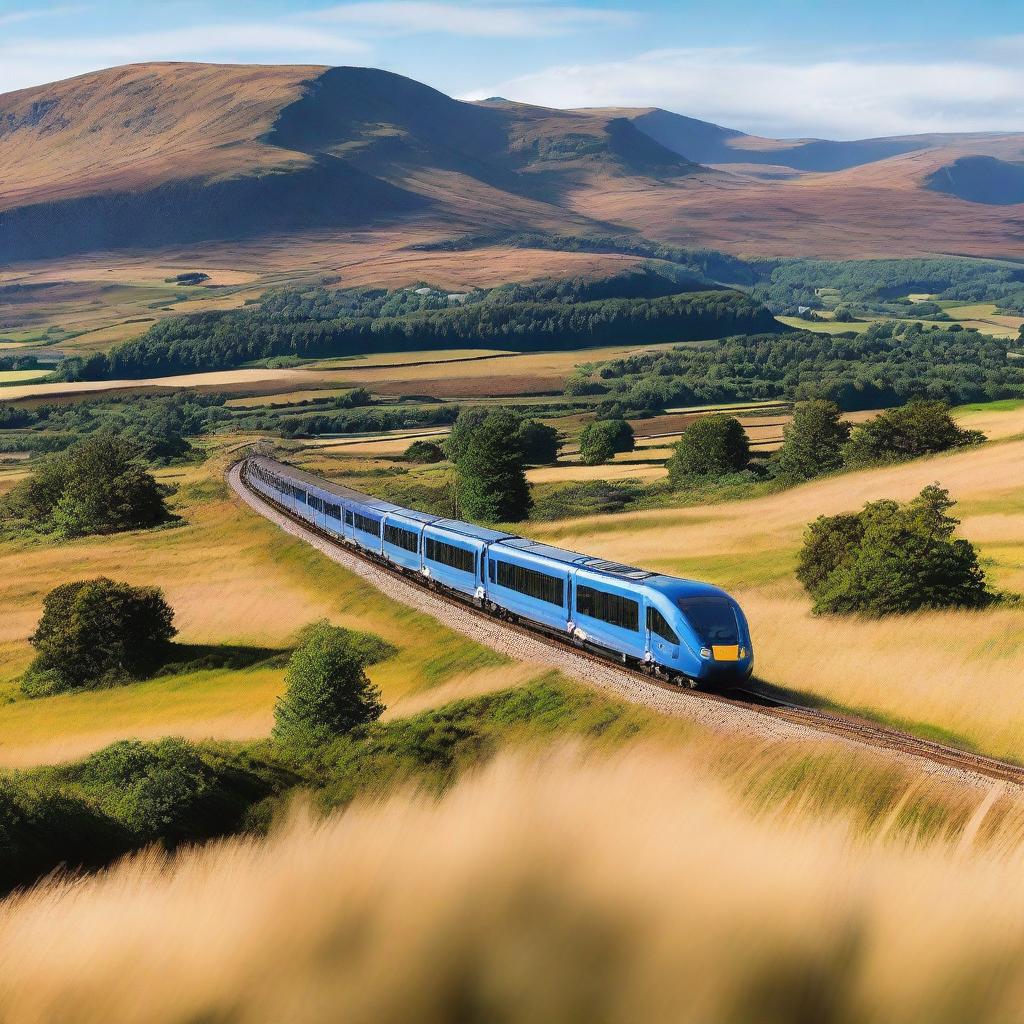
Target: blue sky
(789,67)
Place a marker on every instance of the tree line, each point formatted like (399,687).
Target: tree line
(887,365)
(505,319)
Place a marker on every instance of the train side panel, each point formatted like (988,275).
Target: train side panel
(608,612)
(403,540)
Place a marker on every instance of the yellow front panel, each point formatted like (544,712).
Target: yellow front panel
(726,653)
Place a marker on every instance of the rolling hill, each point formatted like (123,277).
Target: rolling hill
(149,157)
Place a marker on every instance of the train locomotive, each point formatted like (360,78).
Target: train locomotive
(689,633)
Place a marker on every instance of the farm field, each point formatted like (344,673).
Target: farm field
(20,376)
(481,374)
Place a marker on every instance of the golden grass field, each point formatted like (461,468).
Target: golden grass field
(957,671)
(233,578)
(557,886)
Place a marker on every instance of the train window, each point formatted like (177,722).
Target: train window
(532,583)
(712,618)
(490,568)
(449,554)
(348,517)
(656,624)
(611,608)
(402,538)
(316,503)
(334,511)
(366,524)
(299,494)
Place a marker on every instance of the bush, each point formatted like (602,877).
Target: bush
(602,439)
(538,442)
(95,486)
(95,633)
(710,446)
(328,693)
(492,484)
(918,428)
(891,558)
(813,441)
(150,788)
(425,451)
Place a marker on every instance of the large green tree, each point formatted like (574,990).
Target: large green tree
(492,484)
(96,486)
(891,558)
(98,632)
(710,446)
(328,693)
(920,427)
(813,442)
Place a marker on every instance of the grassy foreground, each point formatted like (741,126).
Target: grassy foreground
(568,885)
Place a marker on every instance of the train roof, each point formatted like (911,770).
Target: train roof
(339,490)
(591,563)
(588,562)
(415,515)
(471,530)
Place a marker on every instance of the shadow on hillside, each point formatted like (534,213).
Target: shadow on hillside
(205,657)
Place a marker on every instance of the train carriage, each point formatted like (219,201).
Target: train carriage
(609,607)
(531,580)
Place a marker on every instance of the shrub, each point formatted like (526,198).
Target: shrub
(492,484)
(98,632)
(891,558)
(918,428)
(710,446)
(328,693)
(602,439)
(95,486)
(425,451)
(152,789)
(813,441)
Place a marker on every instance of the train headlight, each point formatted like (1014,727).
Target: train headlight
(742,652)
(705,652)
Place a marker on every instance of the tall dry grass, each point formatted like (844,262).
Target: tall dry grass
(560,888)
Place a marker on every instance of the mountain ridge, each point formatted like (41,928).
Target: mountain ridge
(152,155)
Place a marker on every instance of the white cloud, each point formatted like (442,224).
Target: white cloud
(832,98)
(483,20)
(22,60)
(18,17)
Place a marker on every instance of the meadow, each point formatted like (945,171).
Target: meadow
(238,586)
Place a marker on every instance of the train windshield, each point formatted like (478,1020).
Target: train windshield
(712,618)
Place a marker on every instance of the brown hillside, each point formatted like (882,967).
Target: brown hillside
(300,165)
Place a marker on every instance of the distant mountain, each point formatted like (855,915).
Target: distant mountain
(711,144)
(981,179)
(168,153)
(156,155)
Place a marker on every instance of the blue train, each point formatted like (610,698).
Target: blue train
(689,633)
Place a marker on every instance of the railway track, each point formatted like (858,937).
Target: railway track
(776,708)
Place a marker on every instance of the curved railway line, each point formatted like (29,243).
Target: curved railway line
(752,708)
